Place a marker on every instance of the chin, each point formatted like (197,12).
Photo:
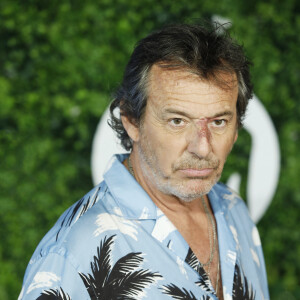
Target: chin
(188,191)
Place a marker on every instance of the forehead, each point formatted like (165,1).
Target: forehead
(186,90)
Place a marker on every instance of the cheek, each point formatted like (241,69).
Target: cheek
(167,148)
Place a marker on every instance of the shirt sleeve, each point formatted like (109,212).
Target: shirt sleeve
(54,276)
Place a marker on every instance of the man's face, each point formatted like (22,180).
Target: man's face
(187,131)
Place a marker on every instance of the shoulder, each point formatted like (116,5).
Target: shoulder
(55,240)
(59,254)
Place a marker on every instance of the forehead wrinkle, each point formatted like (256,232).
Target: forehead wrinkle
(198,101)
(173,79)
(208,98)
(179,104)
(160,93)
(167,109)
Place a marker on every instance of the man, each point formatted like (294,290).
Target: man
(160,226)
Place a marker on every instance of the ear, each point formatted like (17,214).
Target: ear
(236,136)
(131,128)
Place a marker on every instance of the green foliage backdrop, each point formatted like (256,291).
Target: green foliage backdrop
(59,62)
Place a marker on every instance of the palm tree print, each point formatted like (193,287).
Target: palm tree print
(78,210)
(204,281)
(241,288)
(54,295)
(121,281)
(182,294)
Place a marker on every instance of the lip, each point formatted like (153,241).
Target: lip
(197,172)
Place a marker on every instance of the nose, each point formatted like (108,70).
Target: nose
(200,141)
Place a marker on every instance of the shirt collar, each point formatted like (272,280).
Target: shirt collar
(131,198)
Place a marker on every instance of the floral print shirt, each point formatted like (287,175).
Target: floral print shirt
(115,243)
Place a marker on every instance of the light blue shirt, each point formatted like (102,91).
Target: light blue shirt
(115,243)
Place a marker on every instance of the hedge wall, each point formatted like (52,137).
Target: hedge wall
(59,62)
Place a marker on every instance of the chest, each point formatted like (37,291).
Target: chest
(199,233)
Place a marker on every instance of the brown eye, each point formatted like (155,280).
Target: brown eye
(219,123)
(177,121)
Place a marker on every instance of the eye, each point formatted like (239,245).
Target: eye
(177,122)
(219,122)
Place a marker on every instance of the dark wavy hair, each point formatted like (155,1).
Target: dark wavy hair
(202,50)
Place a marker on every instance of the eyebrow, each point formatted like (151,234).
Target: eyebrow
(185,114)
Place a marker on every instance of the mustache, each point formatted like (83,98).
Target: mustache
(198,164)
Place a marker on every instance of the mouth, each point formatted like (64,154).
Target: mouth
(197,172)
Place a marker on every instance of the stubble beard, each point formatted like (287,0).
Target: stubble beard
(185,189)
